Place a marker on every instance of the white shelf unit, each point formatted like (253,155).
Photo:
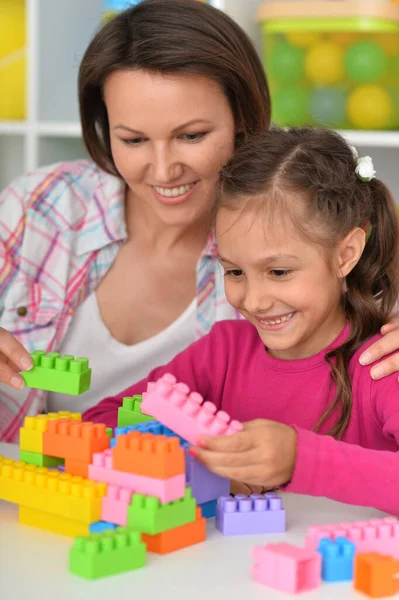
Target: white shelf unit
(57,35)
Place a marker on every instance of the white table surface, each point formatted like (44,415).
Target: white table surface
(34,563)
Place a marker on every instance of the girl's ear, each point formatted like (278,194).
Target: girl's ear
(349,251)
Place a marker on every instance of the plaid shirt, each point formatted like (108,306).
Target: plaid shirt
(60,230)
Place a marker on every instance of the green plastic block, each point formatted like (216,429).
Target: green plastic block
(55,373)
(40,460)
(148,515)
(109,432)
(130,412)
(109,553)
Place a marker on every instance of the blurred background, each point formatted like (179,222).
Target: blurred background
(329,62)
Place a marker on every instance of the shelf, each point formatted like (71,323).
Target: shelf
(61,129)
(376,139)
(13,127)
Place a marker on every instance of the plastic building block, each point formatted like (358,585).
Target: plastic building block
(56,373)
(53,523)
(375,535)
(109,553)
(148,515)
(150,455)
(154,427)
(31,434)
(102,526)
(187,414)
(50,491)
(109,432)
(286,568)
(130,412)
(40,460)
(165,489)
(208,509)
(179,538)
(337,559)
(205,485)
(75,440)
(376,575)
(115,503)
(253,514)
(79,468)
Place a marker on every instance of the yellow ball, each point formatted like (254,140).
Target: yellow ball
(324,63)
(303,39)
(12,59)
(370,107)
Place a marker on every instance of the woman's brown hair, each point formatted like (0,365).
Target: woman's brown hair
(276,170)
(171,36)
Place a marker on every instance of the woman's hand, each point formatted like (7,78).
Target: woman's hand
(386,345)
(262,454)
(13,359)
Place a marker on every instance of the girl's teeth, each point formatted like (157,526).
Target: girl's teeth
(174,192)
(277,321)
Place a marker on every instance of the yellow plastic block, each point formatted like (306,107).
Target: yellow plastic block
(60,525)
(50,491)
(31,434)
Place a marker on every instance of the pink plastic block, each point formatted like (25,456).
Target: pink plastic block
(244,515)
(287,568)
(166,490)
(186,414)
(114,505)
(375,535)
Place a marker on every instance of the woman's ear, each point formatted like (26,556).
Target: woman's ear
(349,251)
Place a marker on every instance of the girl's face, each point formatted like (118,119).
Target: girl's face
(280,283)
(170,135)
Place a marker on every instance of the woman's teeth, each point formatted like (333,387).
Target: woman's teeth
(277,321)
(174,192)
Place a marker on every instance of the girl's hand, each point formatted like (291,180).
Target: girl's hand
(387,344)
(13,358)
(263,454)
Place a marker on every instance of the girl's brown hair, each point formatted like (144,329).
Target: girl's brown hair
(172,36)
(278,168)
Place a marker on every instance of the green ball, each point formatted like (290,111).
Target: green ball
(365,62)
(327,107)
(291,106)
(285,63)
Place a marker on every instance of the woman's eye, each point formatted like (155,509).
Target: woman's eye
(133,141)
(234,273)
(193,137)
(280,272)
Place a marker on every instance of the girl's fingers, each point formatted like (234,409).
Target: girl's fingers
(238,442)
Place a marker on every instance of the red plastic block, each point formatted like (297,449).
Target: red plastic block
(74,440)
(376,575)
(287,568)
(77,467)
(178,538)
(155,456)
(186,414)
(375,535)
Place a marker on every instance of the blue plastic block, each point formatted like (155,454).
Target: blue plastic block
(337,559)
(205,485)
(208,509)
(245,515)
(154,427)
(101,526)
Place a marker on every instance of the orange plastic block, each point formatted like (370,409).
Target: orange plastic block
(376,575)
(77,441)
(54,523)
(155,456)
(178,538)
(31,434)
(79,468)
(50,491)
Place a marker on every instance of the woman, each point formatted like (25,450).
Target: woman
(112,258)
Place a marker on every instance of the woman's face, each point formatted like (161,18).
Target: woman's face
(170,135)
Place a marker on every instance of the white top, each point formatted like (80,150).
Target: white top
(116,366)
(34,563)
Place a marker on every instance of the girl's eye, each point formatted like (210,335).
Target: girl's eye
(193,137)
(234,273)
(279,273)
(133,141)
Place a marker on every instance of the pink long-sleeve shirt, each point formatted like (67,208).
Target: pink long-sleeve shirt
(231,368)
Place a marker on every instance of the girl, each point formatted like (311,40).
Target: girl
(308,241)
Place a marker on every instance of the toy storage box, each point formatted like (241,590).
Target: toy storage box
(333,62)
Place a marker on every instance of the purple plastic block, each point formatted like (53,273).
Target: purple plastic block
(243,515)
(205,485)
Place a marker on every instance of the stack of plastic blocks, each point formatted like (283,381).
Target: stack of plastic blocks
(244,515)
(54,373)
